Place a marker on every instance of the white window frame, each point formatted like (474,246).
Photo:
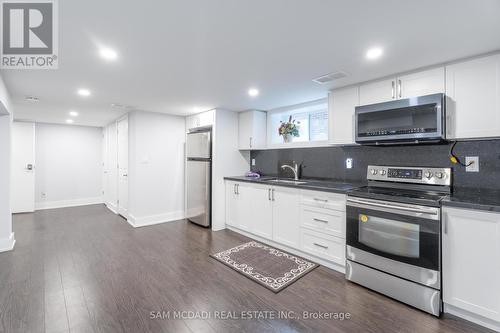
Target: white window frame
(307,144)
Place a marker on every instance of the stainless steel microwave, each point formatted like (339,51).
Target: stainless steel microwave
(411,120)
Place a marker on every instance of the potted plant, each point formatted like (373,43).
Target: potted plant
(288,130)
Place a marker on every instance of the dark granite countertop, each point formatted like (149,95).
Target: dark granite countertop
(473,198)
(310,184)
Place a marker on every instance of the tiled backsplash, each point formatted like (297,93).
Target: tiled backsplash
(329,162)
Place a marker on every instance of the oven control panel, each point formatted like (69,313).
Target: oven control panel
(417,175)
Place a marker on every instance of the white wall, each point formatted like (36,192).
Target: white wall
(227,161)
(68,165)
(156,168)
(6,235)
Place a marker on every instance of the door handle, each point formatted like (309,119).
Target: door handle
(238,189)
(392,93)
(269,194)
(272,192)
(234,188)
(29,167)
(400,89)
(250,142)
(125,175)
(445,226)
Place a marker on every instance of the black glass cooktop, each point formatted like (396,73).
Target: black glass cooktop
(401,195)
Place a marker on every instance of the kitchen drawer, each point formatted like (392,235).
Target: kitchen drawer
(323,220)
(323,200)
(327,247)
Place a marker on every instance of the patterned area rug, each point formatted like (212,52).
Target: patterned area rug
(272,268)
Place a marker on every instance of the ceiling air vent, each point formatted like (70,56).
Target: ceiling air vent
(330,77)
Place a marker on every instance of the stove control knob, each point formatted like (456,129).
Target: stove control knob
(373,171)
(440,175)
(383,172)
(428,174)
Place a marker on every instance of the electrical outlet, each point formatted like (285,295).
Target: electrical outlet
(474,163)
(348,163)
(253,161)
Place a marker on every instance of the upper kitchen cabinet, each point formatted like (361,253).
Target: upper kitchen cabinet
(377,92)
(203,119)
(252,130)
(473,98)
(342,104)
(421,83)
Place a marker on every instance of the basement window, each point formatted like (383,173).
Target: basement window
(298,124)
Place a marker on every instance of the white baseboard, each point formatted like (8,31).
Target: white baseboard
(143,221)
(323,262)
(112,207)
(67,203)
(472,317)
(7,244)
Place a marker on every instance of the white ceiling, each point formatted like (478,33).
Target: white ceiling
(175,55)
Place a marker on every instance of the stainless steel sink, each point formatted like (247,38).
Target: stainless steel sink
(287,181)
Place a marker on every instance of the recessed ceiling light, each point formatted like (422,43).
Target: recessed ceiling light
(253,92)
(374,53)
(69,121)
(73,114)
(84,92)
(108,54)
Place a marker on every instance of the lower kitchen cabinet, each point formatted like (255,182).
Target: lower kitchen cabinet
(261,214)
(286,214)
(471,262)
(310,222)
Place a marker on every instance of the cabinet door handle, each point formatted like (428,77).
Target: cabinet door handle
(321,245)
(272,191)
(392,93)
(320,220)
(400,89)
(320,200)
(250,142)
(238,189)
(234,188)
(445,226)
(269,194)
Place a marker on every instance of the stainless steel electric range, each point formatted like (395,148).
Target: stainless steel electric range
(394,234)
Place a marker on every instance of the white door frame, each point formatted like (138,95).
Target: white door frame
(122,152)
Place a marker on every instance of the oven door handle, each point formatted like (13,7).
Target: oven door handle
(396,207)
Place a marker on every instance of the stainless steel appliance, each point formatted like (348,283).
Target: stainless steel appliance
(411,120)
(198,176)
(394,234)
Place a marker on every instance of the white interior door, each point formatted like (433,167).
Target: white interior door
(23,168)
(123,167)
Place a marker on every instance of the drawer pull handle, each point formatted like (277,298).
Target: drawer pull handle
(320,220)
(321,245)
(320,200)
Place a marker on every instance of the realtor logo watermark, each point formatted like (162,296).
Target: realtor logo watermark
(29,36)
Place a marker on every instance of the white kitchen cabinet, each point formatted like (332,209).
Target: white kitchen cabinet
(286,215)
(261,214)
(421,83)
(252,130)
(238,199)
(377,92)
(342,104)
(323,246)
(203,119)
(473,104)
(471,261)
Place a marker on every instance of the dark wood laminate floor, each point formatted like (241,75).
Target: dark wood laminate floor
(85,269)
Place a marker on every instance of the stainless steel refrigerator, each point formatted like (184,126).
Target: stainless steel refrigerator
(199,177)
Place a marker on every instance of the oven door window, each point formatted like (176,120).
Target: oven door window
(389,236)
(410,239)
